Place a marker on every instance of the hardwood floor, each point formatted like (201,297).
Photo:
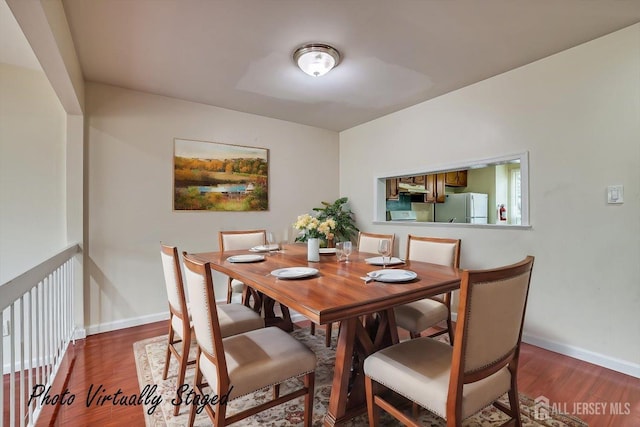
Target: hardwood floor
(107,360)
(588,391)
(102,360)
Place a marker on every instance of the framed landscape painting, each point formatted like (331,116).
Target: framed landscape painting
(211,176)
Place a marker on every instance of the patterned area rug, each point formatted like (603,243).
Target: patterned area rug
(150,353)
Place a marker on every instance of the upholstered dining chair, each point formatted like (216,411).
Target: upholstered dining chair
(368,242)
(235,241)
(420,315)
(243,363)
(457,382)
(234,318)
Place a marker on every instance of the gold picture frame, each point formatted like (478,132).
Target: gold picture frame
(213,176)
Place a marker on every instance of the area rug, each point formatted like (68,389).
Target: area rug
(150,353)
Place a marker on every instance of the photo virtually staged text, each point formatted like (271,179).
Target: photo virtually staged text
(99,396)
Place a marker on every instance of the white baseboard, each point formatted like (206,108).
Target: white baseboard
(615,364)
(605,361)
(79,334)
(623,366)
(126,323)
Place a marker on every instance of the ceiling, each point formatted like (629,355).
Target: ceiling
(237,54)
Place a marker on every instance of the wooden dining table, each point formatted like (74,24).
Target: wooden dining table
(337,293)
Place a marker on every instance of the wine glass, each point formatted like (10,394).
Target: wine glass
(271,240)
(347,247)
(339,251)
(384,249)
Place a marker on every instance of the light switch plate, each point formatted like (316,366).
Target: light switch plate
(615,194)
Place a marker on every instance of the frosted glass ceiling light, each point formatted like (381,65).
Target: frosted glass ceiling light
(316,59)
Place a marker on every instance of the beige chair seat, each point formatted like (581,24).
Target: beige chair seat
(234,319)
(240,364)
(457,382)
(423,367)
(421,315)
(237,286)
(259,359)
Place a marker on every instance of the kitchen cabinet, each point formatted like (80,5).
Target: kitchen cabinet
(456,178)
(435,185)
(419,179)
(412,180)
(392,189)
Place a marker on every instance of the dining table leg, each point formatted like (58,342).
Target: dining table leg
(358,338)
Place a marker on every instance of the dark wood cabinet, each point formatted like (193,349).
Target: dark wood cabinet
(456,179)
(413,180)
(435,186)
(392,189)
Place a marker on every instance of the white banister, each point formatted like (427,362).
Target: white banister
(38,305)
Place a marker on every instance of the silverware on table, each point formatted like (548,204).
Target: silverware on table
(370,277)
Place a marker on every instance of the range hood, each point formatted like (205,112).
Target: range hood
(411,188)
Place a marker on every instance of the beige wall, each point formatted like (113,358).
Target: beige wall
(576,113)
(32,171)
(130,165)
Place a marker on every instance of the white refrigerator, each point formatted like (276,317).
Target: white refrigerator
(463,207)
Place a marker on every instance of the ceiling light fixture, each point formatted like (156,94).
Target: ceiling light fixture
(316,59)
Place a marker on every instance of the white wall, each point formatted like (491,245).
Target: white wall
(32,171)
(130,173)
(45,29)
(577,113)
(32,175)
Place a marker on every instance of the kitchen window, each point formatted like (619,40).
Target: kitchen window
(420,197)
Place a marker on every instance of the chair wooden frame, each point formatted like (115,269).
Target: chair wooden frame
(182,313)
(218,359)
(221,236)
(446,298)
(458,375)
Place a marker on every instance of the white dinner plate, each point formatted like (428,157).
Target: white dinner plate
(265,248)
(378,261)
(246,258)
(294,272)
(327,251)
(392,275)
